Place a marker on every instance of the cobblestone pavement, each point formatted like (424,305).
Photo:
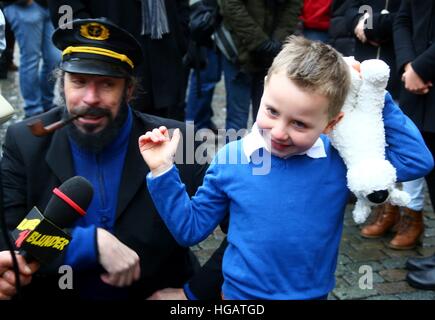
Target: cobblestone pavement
(357,255)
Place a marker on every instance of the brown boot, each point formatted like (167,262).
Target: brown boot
(386,216)
(410,229)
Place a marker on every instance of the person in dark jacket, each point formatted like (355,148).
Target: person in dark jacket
(371,22)
(163,78)
(120,249)
(258,29)
(205,62)
(339,35)
(24,270)
(414,40)
(31,25)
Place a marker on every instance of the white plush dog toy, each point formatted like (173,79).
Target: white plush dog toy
(360,139)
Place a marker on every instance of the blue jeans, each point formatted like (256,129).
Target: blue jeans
(198,107)
(238,88)
(415,190)
(33,30)
(242,88)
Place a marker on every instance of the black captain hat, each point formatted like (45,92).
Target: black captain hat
(97,47)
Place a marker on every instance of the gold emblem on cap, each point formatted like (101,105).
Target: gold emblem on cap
(94,31)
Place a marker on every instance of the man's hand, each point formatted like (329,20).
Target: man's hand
(168,294)
(7,275)
(120,262)
(269,48)
(359,29)
(158,150)
(413,82)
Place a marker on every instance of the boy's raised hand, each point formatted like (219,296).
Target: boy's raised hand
(158,150)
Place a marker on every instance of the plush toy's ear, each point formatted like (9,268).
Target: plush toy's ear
(361,211)
(399,198)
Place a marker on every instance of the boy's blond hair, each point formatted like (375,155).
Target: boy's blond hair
(314,66)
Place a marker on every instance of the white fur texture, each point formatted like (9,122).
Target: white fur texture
(360,138)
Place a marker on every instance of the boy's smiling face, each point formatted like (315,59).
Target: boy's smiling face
(292,119)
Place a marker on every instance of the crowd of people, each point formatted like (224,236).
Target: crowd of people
(124,68)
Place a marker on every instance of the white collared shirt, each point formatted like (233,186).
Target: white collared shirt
(255,140)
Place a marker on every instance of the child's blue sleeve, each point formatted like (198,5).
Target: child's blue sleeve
(406,149)
(189,220)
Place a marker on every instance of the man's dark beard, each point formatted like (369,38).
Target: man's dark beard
(96,142)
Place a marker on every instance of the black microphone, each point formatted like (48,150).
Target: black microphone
(69,202)
(41,236)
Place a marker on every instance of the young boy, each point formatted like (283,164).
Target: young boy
(285,226)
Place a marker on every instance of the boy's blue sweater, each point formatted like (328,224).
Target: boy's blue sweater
(285,227)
